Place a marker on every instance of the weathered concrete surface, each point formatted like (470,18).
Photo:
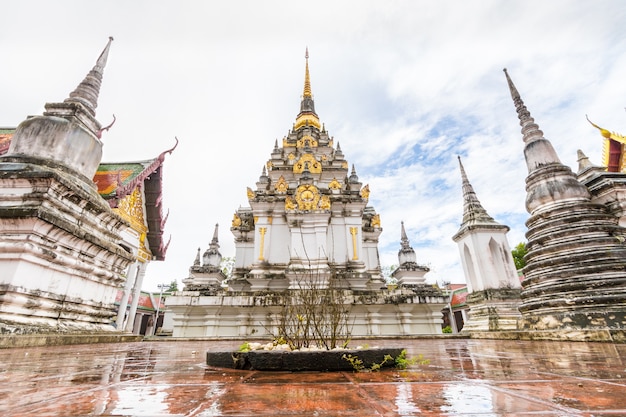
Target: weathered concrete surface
(464,378)
(34,340)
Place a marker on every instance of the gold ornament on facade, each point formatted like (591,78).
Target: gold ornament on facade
(331,142)
(250,193)
(315,167)
(281,185)
(324,158)
(344,164)
(236,221)
(334,185)
(130,208)
(285,143)
(307,197)
(291,156)
(290,204)
(256,219)
(305,141)
(365,192)
(375,220)
(269,165)
(307,119)
(324,203)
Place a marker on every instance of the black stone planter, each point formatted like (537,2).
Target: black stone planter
(319,360)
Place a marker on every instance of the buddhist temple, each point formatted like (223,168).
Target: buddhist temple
(74,230)
(575,273)
(308,225)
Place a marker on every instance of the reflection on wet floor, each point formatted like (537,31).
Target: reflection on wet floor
(169,378)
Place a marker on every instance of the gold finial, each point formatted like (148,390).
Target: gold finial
(307,79)
(605,133)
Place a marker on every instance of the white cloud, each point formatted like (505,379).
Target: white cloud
(405,87)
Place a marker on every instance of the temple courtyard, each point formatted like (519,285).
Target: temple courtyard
(465,377)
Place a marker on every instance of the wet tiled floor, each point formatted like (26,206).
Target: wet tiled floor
(463,378)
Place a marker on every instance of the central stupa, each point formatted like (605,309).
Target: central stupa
(308,226)
(308,217)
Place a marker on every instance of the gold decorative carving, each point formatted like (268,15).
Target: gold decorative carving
(307,119)
(256,219)
(324,157)
(331,142)
(306,140)
(376,220)
(344,164)
(269,165)
(308,197)
(131,209)
(315,167)
(325,202)
(281,185)
(262,231)
(290,204)
(270,219)
(291,156)
(365,192)
(334,184)
(236,220)
(353,232)
(250,193)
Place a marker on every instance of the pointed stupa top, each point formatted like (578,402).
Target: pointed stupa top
(212,256)
(474,215)
(214,241)
(88,90)
(353,177)
(536,155)
(196,262)
(307,115)
(548,181)
(406,253)
(307,78)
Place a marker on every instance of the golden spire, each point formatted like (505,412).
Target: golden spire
(307,115)
(307,78)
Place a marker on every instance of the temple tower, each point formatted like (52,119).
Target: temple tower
(492,282)
(63,257)
(575,277)
(308,217)
(308,228)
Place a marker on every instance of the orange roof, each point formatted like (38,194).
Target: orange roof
(459,296)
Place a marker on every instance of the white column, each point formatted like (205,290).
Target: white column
(141,272)
(131,276)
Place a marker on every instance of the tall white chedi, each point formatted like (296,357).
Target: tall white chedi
(61,253)
(492,281)
(308,227)
(308,217)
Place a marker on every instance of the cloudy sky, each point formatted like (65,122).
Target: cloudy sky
(403,86)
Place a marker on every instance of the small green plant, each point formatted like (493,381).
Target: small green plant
(245,347)
(359,366)
(446,329)
(403,362)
